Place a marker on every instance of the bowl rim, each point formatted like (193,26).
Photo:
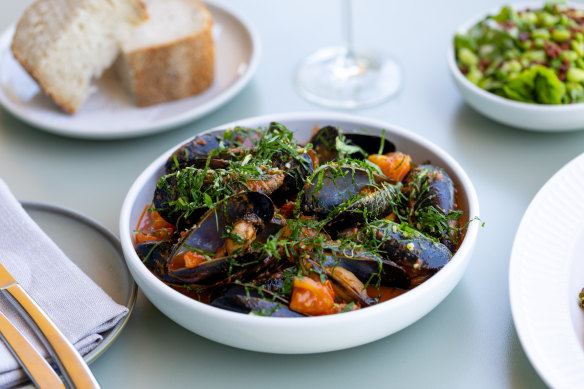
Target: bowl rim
(457,74)
(459,259)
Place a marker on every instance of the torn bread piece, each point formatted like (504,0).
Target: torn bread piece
(65,44)
(171,56)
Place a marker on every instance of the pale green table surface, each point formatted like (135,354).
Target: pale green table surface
(468,341)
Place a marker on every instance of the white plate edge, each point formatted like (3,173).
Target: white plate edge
(526,330)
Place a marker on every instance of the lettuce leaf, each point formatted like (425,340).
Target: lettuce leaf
(536,85)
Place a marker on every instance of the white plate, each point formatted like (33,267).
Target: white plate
(110,113)
(96,250)
(545,276)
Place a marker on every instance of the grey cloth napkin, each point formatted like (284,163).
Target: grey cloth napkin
(79,307)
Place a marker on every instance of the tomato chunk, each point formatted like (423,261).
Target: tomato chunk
(394,165)
(193,259)
(313,297)
(152,227)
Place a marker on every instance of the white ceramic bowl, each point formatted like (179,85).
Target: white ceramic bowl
(312,334)
(534,117)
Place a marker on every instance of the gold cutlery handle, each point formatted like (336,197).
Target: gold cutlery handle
(35,366)
(74,369)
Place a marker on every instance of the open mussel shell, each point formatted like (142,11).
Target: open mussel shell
(368,268)
(324,144)
(338,185)
(371,144)
(208,234)
(347,287)
(244,299)
(241,267)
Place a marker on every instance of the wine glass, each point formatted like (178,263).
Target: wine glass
(340,77)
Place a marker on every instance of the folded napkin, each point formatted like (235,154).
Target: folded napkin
(80,308)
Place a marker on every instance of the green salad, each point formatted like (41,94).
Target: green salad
(529,55)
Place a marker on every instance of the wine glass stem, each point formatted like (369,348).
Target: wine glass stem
(347,66)
(348,27)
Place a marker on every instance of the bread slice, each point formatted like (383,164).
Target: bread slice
(172,55)
(64,44)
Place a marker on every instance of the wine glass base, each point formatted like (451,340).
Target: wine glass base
(331,78)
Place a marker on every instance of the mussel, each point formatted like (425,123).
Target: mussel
(294,162)
(374,203)
(170,189)
(369,268)
(420,256)
(155,256)
(251,299)
(179,197)
(333,186)
(240,267)
(325,145)
(351,272)
(432,190)
(223,237)
(201,146)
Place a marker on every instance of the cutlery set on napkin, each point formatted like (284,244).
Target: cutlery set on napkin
(51,313)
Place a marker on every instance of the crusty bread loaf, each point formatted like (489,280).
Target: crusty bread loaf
(64,44)
(171,56)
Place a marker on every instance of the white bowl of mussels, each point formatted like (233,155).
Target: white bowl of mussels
(284,233)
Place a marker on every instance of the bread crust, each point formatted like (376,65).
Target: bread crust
(173,70)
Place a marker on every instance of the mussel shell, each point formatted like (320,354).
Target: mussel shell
(369,268)
(155,256)
(324,144)
(371,206)
(163,195)
(439,194)
(347,287)
(371,144)
(440,188)
(247,298)
(416,253)
(296,174)
(207,235)
(236,289)
(226,269)
(198,148)
(255,305)
(339,184)
(166,192)
(201,146)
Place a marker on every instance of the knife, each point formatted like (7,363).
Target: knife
(35,366)
(74,369)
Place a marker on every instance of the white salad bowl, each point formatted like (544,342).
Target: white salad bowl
(310,334)
(533,117)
